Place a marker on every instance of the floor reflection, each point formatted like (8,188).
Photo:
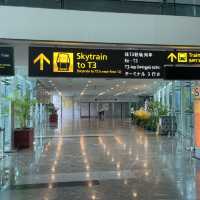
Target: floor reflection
(108,159)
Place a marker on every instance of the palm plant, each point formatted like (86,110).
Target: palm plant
(157,110)
(22,108)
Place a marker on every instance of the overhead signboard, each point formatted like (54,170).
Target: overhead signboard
(183,57)
(74,62)
(6,61)
(136,64)
(182,65)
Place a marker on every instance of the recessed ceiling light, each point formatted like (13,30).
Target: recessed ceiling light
(50,81)
(117,85)
(102,93)
(112,88)
(136,88)
(135,194)
(89,81)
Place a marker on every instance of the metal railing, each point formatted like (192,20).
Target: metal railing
(159,7)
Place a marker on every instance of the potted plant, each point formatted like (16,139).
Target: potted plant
(23,134)
(157,110)
(53,115)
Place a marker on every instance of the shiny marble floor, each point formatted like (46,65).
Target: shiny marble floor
(107,160)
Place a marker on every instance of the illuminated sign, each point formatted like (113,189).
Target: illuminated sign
(197,123)
(75,62)
(6,61)
(182,65)
(196,92)
(184,57)
(113,63)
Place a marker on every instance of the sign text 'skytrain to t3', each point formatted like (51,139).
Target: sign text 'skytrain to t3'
(74,62)
(6,61)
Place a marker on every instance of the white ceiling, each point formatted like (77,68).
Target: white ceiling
(101,87)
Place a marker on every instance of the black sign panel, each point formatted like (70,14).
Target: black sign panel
(64,62)
(180,57)
(6,61)
(181,73)
(182,65)
(143,64)
(137,64)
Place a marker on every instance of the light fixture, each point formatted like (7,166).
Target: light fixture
(134,194)
(87,175)
(118,174)
(53,169)
(50,186)
(118,165)
(90,184)
(102,93)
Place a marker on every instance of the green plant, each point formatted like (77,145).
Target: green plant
(4,109)
(157,110)
(51,108)
(151,124)
(22,109)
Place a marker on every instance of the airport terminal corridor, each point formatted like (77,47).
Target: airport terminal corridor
(104,139)
(100,100)
(103,159)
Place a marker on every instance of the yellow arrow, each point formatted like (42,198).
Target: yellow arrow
(172,56)
(41,57)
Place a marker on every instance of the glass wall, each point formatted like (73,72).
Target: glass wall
(177,96)
(9,87)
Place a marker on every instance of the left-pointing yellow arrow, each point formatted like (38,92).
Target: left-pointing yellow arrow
(41,57)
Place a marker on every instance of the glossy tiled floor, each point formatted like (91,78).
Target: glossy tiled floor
(107,160)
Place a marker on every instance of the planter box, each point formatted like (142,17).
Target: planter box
(167,125)
(23,138)
(53,120)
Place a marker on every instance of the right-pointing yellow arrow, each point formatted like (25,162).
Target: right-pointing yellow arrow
(172,57)
(41,57)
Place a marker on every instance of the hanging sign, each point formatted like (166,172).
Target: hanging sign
(182,65)
(64,62)
(183,57)
(6,61)
(136,64)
